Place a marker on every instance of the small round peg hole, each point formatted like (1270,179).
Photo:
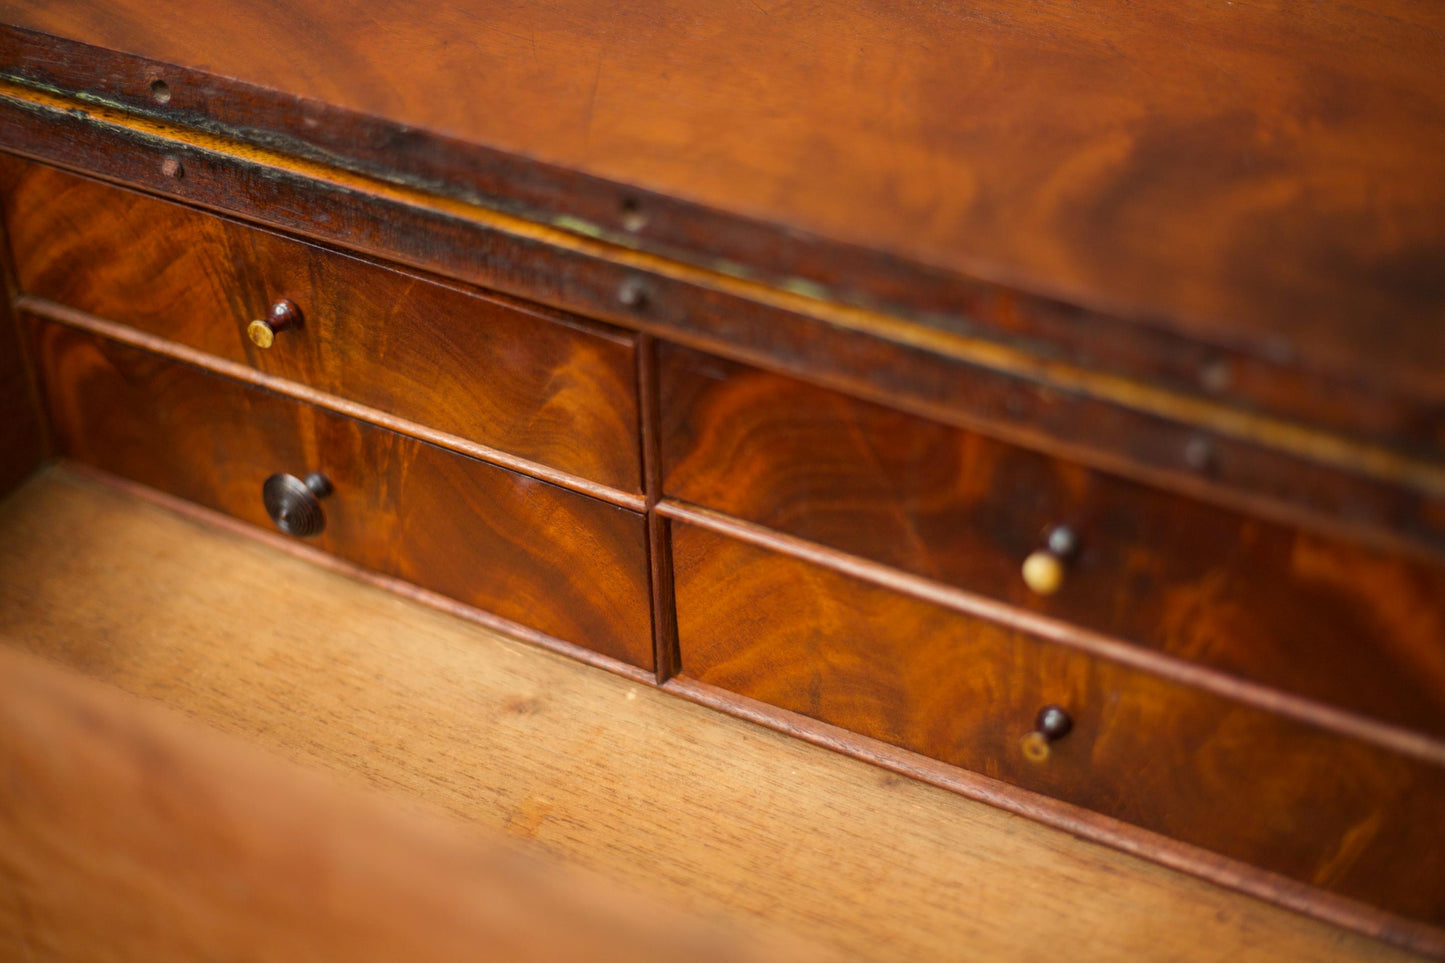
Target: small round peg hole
(634,218)
(160,91)
(1052,724)
(633,294)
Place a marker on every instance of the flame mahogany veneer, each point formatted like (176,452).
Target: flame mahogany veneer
(761,379)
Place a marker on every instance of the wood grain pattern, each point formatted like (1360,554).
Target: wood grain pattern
(727,818)
(525,380)
(143,836)
(502,542)
(1269,466)
(710,238)
(1350,818)
(1269,603)
(1256,176)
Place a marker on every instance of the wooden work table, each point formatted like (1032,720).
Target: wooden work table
(1042,402)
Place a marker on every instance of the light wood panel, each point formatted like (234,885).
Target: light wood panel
(139,835)
(723,816)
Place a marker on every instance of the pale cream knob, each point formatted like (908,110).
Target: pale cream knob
(1043,572)
(283,316)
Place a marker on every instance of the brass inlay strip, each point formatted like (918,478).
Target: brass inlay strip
(1314,444)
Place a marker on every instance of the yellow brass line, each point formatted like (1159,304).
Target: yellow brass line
(1311,443)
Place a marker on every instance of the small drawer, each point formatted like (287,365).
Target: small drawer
(1313,805)
(1262,601)
(530,382)
(550,559)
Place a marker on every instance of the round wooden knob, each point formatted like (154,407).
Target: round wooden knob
(1044,570)
(1051,725)
(283,316)
(294,504)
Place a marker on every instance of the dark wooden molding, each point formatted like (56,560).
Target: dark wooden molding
(1276,468)
(711,239)
(725,241)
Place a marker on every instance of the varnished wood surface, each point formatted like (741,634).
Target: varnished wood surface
(1351,818)
(553,560)
(1269,603)
(527,381)
(1256,175)
(1261,462)
(90,85)
(140,835)
(726,817)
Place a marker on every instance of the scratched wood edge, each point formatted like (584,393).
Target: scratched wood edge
(587,204)
(1231,874)
(1220,870)
(1299,708)
(589,283)
(316,556)
(1315,444)
(89,323)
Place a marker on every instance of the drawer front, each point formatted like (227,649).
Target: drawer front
(547,558)
(529,382)
(1275,793)
(1266,602)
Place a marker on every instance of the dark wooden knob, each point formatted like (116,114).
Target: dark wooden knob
(283,316)
(1051,725)
(294,504)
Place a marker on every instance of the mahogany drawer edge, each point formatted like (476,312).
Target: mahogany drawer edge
(1343,722)
(46,310)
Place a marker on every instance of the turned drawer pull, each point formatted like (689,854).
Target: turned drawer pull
(1044,570)
(283,316)
(1052,724)
(295,504)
